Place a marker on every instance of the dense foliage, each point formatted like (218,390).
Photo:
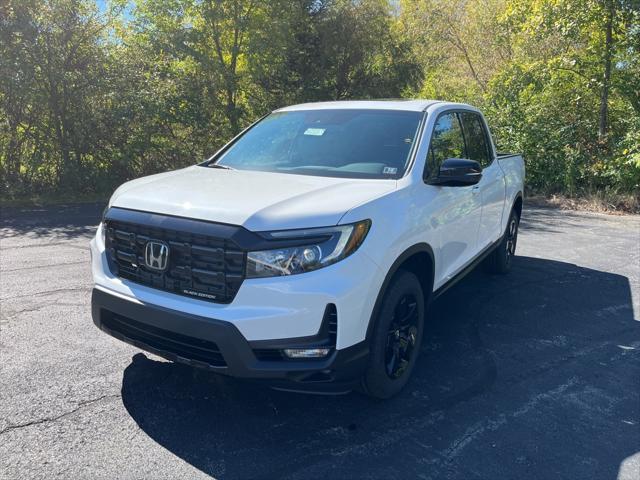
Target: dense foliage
(93,95)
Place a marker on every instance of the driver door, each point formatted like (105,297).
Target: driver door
(455,211)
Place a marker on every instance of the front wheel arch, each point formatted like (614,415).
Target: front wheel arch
(417,259)
(396,338)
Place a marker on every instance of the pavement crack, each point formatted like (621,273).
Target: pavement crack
(43,267)
(41,421)
(36,245)
(47,292)
(493,424)
(37,308)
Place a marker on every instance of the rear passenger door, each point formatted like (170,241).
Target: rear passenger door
(491,187)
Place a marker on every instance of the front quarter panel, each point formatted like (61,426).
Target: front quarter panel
(398,222)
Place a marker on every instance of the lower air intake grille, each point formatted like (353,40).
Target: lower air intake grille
(165,342)
(268,354)
(332,323)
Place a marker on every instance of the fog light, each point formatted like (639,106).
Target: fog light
(306,352)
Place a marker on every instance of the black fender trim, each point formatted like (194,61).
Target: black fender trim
(417,248)
(515,199)
(518,197)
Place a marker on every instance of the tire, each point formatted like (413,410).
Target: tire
(500,260)
(396,337)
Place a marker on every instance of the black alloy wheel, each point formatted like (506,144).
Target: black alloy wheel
(512,238)
(402,336)
(500,260)
(394,343)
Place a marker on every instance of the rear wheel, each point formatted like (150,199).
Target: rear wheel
(396,337)
(500,260)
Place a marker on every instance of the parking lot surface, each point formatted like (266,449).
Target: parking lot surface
(535,374)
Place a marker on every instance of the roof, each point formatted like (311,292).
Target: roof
(395,104)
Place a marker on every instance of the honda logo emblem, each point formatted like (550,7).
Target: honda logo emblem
(156,255)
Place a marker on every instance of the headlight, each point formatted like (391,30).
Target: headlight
(318,247)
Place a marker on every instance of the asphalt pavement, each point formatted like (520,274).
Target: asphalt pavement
(535,374)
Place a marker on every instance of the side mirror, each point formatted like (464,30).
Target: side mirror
(457,172)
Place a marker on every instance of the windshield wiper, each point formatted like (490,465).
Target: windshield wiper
(217,165)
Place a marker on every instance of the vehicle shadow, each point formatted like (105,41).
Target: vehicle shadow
(61,221)
(546,219)
(502,357)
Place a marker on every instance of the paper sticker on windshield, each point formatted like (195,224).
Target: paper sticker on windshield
(316,132)
(389,170)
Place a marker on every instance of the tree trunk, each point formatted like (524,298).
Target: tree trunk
(232,111)
(12,159)
(606,80)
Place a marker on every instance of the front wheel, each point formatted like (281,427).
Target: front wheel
(500,260)
(396,337)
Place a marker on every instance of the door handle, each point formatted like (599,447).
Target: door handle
(475,189)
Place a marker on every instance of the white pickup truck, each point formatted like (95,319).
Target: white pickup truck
(306,251)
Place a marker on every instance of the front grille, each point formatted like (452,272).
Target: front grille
(199,266)
(164,342)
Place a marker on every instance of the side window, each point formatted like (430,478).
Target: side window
(476,138)
(447,141)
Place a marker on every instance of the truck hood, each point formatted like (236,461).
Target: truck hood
(258,201)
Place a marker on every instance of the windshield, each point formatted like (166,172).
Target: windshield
(336,143)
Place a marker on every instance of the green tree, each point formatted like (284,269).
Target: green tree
(54,62)
(90,98)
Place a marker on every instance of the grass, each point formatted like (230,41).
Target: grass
(616,204)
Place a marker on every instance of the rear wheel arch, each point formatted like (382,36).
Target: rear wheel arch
(517,204)
(417,259)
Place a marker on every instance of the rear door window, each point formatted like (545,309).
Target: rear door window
(476,138)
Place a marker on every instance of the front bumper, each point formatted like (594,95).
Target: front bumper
(219,346)
(270,308)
